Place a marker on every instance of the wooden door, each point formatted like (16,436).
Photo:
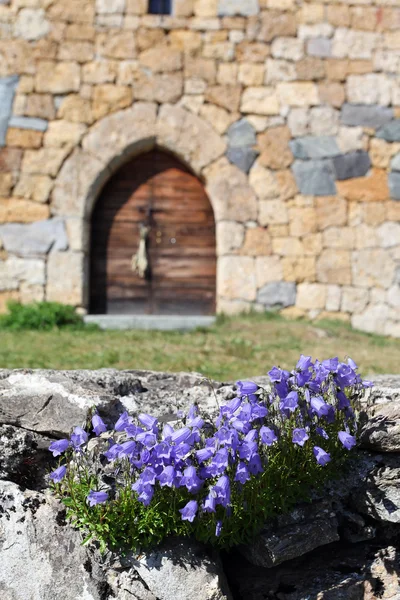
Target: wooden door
(156,190)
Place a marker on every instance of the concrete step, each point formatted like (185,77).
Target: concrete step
(150,322)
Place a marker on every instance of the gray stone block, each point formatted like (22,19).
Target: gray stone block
(277,294)
(315,177)
(242,8)
(34,239)
(353,164)
(308,147)
(241,133)
(394,185)
(7,90)
(395,164)
(243,158)
(390,132)
(363,115)
(319,46)
(28,123)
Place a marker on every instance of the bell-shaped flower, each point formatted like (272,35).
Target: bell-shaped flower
(319,406)
(299,436)
(223,490)
(146,494)
(149,422)
(113,451)
(95,498)
(123,421)
(181,452)
(210,502)
(268,436)
(98,425)
(242,473)
(189,511)
(331,364)
(246,387)
(348,441)
(289,404)
(58,474)
(204,454)
(321,456)
(59,447)
(190,480)
(343,401)
(167,432)
(167,477)
(79,437)
(148,477)
(127,448)
(181,435)
(147,438)
(320,431)
(255,466)
(304,362)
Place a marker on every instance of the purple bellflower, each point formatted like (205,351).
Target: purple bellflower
(58,447)
(58,474)
(347,440)
(189,511)
(98,425)
(79,437)
(97,498)
(268,436)
(321,456)
(299,436)
(246,387)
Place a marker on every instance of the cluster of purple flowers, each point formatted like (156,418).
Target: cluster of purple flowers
(209,460)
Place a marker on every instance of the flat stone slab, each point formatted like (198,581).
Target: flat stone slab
(353,164)
(309,147)
(8,85)
(150,322)
(243,158)
(363,115)
(34,239)
(241,133)
(315,177)
(28,123)
(390,132)
(394,185)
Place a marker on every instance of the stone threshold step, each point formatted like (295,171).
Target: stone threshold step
(150,322)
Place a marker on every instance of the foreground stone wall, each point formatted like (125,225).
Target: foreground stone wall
(289,111)
(344,545)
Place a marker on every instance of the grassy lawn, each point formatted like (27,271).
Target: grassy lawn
(234,348)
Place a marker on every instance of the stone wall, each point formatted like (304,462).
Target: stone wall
(288,110)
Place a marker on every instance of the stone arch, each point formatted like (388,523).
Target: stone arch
(119,137)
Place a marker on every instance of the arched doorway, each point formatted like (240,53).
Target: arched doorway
(153,198)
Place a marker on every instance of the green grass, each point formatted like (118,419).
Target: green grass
(238,347)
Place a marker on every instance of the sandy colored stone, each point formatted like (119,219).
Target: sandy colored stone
(274,148)
(63,134)
(65,278)
(286,184)
(116,44)
(374,213)
(251,74)
(41,106)
(330,212)
(334,266)
(203,68)
(339,237)
(236,278)
(31,24)
(227,74)
(34,187)
(30,293)
(372,268)
(136,7)
(338,15)
(234,307)
(268,270)
(257,242)
(221,51)
(225,96)
(162,87)
(260,101)
(161,59)
(381,152)
(252,52)
(46,161)
(299,268)
(80,31)
(279,70)
(10,159)
(17,57)
(76,109)
(273,212)
(351,138)
(354,299)
(287,246)
(337,69)
(365,236)
(76,50)
(75,11)
(231,195)
(280,230)
(218,117)
(230,236)
(57,78)
(331,93)
(324,120)
(263,181)
(372,88)
(311,296)
(393,210)
(109,98)
(310,68)
(276,24)
(372,188)
(5,297)
(311,13)
(6,184)
(302,221)
(24,138)
(333,298)
(186,41)
(100,71)
(16,210)
(298,94)
(312,244)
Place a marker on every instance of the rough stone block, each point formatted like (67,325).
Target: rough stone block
(57,78)
(31,24)
(243,8)
(260,101)
(288,48)
(241,133)
(371,188)
(324,120)
(16,210)
(236,277)
(299,94)
(28,123)
(353,164)
(390,132)
(315,177)
(280,294)
(334,266)
(66,278)
(243,158)
(364,115)
(373,268)
(311,147)
(395,164)
(372,88)
(320,47)
(388,235)
(311,296)
(35,238)
(8,86)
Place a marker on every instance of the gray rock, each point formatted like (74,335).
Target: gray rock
(394,185)
(390,132)
(243,158)
(243,8)
(379,496)
(395,163)
(28,123)
(241,133)
(181,569)
(40,558)
(319,46)
(363,115)
(315,177)
(8,86)
(306,528)
(277,294)
(34,239)
(381,431)
(310,146)
(353,164)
